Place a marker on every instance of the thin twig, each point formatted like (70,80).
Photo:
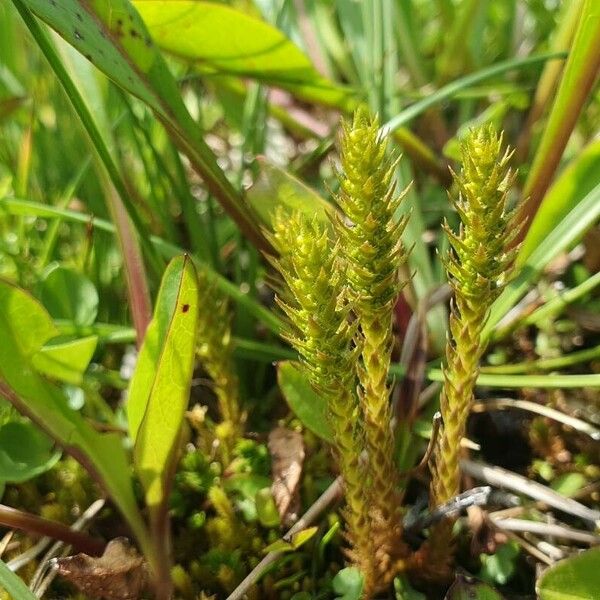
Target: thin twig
(540,409)
(552,551)
(332,493)
(535,552)
(546,529)
(435,429)
(25,557)
(36,584)
(507,479)
(5,541)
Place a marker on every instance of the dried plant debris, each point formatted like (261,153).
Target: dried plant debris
(119,574)
(287,455)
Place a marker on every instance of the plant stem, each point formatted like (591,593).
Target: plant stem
(82,542)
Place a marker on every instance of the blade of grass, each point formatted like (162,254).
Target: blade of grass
(129,57)
(571,186)
(564,298)
(567,232)
(25,207)
(580,73)
(81,74)
(91,128)
(545,364)
(407,42)
(561,42)
(452,88)
(14,585)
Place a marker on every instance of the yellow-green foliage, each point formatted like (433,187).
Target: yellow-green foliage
(371,244)
(215,350)
(478,265)
(315,303)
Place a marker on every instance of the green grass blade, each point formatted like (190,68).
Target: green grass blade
(528,381)
(577,81)
(167,250)
(89,124)
(454,87)
(113,36)
(13,585)
(567,232)
(561,42)
(556,305)
(572,185)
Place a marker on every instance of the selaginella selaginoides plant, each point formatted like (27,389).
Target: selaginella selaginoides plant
(314,300)
(478,266)
(371,242)
(339,298)
(215,351)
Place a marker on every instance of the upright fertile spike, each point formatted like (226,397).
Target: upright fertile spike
(370,237)
(478,266)
(319,329)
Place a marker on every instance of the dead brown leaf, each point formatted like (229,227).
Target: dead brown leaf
(119,574)
(287,454)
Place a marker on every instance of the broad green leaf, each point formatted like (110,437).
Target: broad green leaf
(25,327)
(469,588)
(572,185)
(576,578)
(303,400)
(159,390)
(569,230)
(219,38)
(13,585)
(66,361)
(112,35)
(576,83)
(348,584)
(276,187)
(25,452)
(67,294)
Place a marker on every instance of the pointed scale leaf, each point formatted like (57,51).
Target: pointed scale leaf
(159,391)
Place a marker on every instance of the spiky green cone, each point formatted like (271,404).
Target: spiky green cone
(478,267)
(370,237)
(215,351)
(319,329)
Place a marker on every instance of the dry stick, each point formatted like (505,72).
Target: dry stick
(332,493)
(89,513)
(517,483)
(20,561)
(554,552)
(540,409)
(546,529)
(535,552)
